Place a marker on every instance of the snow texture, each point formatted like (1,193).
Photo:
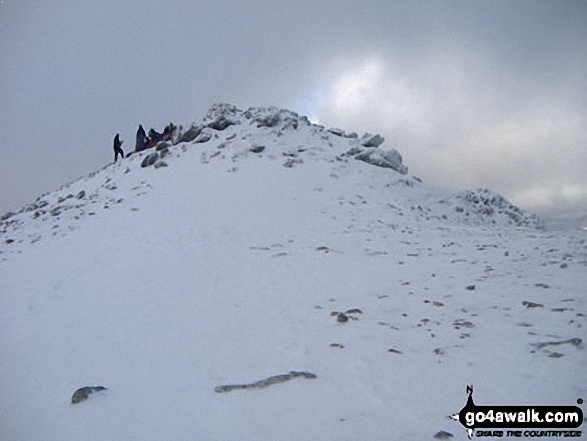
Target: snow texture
(234,256)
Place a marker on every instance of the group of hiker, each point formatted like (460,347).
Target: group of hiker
(143,142)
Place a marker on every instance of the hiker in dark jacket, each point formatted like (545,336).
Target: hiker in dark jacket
(168,132)
(142,140)
(155,136)
(117,149)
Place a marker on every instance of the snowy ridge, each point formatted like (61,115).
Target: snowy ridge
(231,135)
(258,282)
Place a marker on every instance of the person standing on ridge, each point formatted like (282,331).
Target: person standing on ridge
(142,140)
(117,149)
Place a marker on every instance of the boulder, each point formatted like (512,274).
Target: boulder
(203,137)
(369,140)
(339,132)
(220,123)
(382,158)
(191,134)
(161,145)
(336,131)
(150,159)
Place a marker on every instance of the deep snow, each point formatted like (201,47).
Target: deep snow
(226,267)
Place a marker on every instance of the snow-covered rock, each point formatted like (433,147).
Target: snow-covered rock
(384,158)
(369,140)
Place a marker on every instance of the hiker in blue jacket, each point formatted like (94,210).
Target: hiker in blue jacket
(142,140)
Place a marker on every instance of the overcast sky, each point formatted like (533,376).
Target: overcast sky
(471,93)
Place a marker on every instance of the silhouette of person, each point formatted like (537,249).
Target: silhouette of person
(117,149)
(142,140)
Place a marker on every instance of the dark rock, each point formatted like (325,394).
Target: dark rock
(342,318)
(160,164)
(572,341)
(276,379)
(353,151)
(443,435)
(7,215)
(256,148)
(369,140)
(460,323)
(81,195)
(556,355)
(162,145)
(191,134)
(528,304)
(84,392)
(220,123)
(203,137)
(150,159)
(471,287)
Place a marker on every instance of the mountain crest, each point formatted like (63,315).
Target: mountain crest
(232,140)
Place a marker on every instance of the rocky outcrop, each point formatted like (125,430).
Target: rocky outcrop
(383,158)
(369,140)
(487,203)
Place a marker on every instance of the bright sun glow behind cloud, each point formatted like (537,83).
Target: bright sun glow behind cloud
(457,128)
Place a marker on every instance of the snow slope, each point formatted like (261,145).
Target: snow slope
(228,261)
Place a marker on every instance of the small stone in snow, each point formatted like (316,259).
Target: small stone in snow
(256,148)
(443,435)
(84,392)
(531,304)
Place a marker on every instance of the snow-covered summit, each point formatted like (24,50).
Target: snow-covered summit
(261,278)
(233,139)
